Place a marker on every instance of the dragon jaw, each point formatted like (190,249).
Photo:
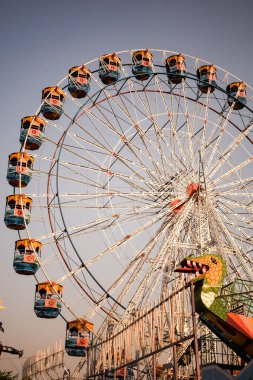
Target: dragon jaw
(210,272)
(193,266)
(210,268)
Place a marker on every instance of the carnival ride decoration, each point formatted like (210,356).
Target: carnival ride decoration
(8,349)
(235,330)
(141,164)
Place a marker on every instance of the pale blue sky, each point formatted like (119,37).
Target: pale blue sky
(41,40)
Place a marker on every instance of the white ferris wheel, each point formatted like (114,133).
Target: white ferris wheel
(134,161)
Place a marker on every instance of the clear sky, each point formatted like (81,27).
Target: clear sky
(41,40)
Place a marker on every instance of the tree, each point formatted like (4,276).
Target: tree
(7,375)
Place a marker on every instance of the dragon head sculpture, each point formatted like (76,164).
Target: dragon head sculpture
(210,272)
(211,268)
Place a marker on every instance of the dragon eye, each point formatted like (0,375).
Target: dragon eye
(213,260)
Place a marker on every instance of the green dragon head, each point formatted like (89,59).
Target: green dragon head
(210,271)
(210,268)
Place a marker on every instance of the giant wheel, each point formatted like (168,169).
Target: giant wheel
(138,174)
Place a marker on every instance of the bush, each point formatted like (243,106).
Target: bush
(4,375)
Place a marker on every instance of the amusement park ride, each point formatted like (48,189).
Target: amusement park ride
(139,166)
(8,349)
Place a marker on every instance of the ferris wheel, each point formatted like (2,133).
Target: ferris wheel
(131,163)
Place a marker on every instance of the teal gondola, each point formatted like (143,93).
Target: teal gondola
(47,303)
(32,132)
(237,95)
(20,167)
(79,81)
(175,68)
(78,337)
(207,75)
(142,64)
(25,260)
(17,211)
(109,68)
(52,102)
